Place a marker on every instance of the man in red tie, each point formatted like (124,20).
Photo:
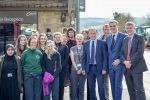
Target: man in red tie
(134,63)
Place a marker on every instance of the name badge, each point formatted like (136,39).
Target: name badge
(9,75)
(78,65)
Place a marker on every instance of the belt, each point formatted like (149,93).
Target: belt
(92,64)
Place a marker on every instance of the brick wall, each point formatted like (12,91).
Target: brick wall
(50,20)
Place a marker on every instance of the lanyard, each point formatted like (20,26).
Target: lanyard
(79,54)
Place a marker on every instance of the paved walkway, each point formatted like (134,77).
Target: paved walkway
(125,95)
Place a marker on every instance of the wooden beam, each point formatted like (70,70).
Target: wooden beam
(37,8)
(7,1)
(36,2)
(69,11)
(69,7)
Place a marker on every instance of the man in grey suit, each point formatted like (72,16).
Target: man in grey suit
(134,63)
(106,32)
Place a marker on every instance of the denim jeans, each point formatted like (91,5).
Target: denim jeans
(54,89)
(33,86)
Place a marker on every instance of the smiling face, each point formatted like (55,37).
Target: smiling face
(71,34)
(130,29)
(113,27)
(35,34)
(64,39)
(43,40)
(58,38)
(85,35)
(93,34)
(10,51)
(33,43)
(50,46)
(79,41)
(106,31)
(22,41)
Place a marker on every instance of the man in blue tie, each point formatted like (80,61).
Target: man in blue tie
(94,63)
(114,44)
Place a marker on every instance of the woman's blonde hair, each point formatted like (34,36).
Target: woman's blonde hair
(79,36)
(39,43)
(17,46)
(47,51)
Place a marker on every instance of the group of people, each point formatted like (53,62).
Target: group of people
(41,66)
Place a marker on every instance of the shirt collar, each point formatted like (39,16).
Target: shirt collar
(132,36)
(114,34)
(94,40)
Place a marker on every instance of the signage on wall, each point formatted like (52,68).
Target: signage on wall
(82,5)
(18,16)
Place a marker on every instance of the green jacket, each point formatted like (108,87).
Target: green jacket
(19,71)
(31,61)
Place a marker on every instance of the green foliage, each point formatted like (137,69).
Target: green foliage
(122,18)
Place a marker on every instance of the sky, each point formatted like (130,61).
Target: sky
(106,8)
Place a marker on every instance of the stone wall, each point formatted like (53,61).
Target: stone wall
(50,20)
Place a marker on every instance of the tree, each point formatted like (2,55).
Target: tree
(122,18)
(147,19)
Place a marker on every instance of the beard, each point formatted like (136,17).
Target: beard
(71,36)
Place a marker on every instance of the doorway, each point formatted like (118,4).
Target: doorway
(6,36)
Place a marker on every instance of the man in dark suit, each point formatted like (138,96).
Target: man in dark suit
(114,43)
(134,63)
(94,63)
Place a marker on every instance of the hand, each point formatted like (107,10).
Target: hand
(116,62)
(83,72)
(79,71)
(103,72)
(127,64)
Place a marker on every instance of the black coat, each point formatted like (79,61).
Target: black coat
(64,53)
(48,64)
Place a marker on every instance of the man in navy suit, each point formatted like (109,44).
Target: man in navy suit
(114,44)
(94,63)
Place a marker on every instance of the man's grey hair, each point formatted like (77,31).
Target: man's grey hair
(129,24)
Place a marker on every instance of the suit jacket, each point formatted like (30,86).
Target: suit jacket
(114,53)
(136,54)
(100,56)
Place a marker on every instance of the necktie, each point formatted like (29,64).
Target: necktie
(113,41)
(92,52)
(128,54)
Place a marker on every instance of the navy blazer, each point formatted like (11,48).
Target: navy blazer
(115,52)
(101,56)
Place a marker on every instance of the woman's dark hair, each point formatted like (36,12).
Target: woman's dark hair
(87,32)
(71,29)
